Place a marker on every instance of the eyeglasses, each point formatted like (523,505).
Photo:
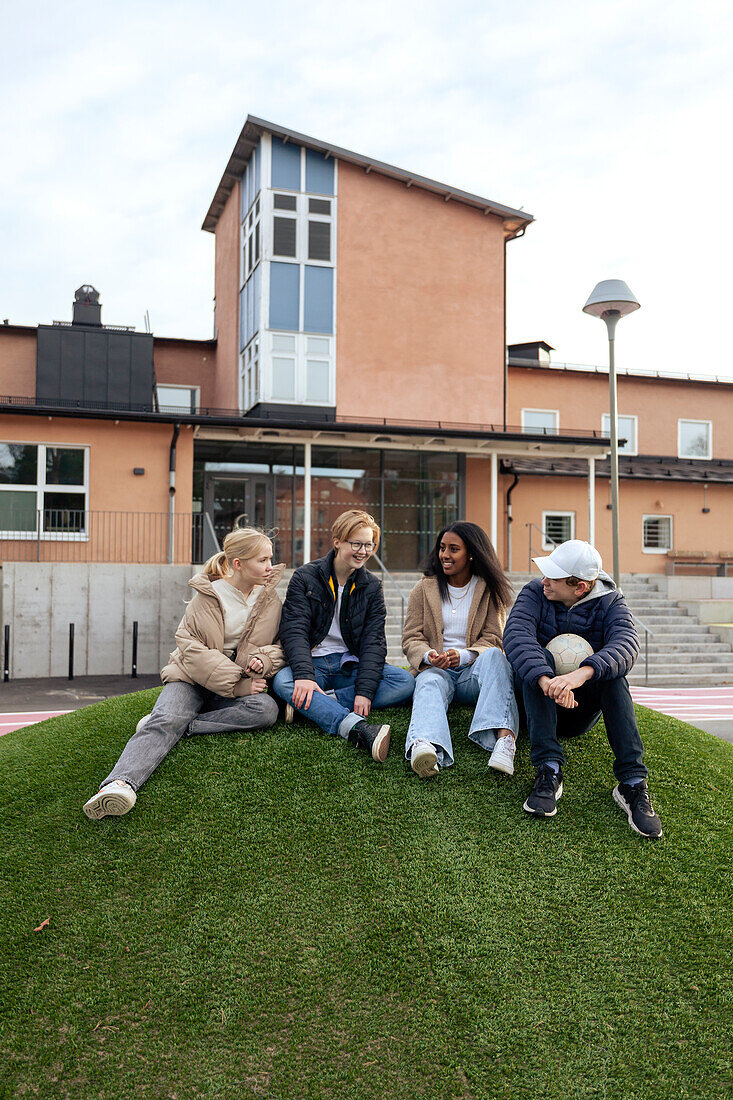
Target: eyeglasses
(357,546)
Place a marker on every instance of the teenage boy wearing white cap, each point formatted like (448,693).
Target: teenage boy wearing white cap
(575,596)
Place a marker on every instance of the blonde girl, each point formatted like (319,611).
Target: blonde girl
(215,681)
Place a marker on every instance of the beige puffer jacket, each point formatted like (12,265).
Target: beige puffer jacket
(423,629)
(199,657)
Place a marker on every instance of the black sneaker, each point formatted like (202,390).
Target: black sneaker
(637,805)
(373,738)
(546,792)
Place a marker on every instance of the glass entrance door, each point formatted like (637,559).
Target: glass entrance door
(229,497)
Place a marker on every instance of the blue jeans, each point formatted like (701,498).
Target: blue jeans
(547,722)
(487,682)
(335,713)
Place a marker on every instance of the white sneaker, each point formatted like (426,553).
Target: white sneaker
(424,760)
(143,722)
(289,717)
(502,758)
(114,800)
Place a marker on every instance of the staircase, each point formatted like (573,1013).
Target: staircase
(682,651)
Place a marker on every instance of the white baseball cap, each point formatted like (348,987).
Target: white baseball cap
(574,558)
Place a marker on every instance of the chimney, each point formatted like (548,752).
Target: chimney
(87,310)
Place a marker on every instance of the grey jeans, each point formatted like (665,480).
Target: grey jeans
(185,709)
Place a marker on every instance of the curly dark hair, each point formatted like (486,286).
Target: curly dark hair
(483,562)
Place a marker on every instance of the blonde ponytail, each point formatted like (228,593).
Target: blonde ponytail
(242,543)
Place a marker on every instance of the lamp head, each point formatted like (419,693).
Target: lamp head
(611,295)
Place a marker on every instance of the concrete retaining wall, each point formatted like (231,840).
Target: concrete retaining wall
(39,601)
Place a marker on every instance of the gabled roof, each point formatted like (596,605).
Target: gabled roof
(514,220)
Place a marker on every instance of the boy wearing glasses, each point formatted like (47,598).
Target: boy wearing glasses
(332,631)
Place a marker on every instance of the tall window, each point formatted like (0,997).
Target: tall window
(543,421)
(43,484)
(656,534)
(694,438)
(626,431)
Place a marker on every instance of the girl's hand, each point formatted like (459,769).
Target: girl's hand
(431,657)
(259,685)
(254,665)
(453,657)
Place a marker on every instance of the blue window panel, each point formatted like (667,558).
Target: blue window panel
(284,296)
(242,318)
(285,165)
(255,280)
(318,311)
(318,173)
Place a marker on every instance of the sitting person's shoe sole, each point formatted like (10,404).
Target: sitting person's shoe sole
(114,800)
(289,716)
(636,804)
(380,744)
(424,761)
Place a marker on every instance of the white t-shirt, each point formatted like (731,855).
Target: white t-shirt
(237,610)
(334,641)
(455,620)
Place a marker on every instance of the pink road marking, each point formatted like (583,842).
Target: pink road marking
(18,720)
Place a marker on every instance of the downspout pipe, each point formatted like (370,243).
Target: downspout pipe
(510,520)
(172,496)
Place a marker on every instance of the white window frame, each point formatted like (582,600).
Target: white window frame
(554,413)
(41,487)
(632,445)
(657,549)
(546,544)
(192,391)
(250,379)
(702,458)
(251,225)
(300,356)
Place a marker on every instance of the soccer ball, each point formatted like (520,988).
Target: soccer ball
(568,650)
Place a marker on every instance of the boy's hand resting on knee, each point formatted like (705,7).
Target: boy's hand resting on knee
(561,688)
(303,693)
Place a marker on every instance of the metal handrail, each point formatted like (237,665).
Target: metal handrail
(647,635)
(391,579)
(544,536)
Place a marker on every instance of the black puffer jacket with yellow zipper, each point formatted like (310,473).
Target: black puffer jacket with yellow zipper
(308,612)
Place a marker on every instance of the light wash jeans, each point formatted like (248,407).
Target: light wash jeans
(334,713)
(187,709)
(488,682)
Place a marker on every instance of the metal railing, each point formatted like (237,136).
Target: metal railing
(545,536)
(71,535)
(388,576)
(647,635)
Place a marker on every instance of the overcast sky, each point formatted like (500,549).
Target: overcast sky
(609,122)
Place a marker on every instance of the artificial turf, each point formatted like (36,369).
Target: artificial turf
(281,917)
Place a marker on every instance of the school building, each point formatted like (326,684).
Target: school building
(358,358)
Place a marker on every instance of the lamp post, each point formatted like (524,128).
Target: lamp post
(610,300)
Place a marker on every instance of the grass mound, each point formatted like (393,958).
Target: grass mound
(281,917)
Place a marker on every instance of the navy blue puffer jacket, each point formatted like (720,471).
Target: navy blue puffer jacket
(602,618)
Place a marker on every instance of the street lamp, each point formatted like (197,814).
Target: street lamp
(610,300)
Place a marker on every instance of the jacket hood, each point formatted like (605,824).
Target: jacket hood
(201,583)
(604,584)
